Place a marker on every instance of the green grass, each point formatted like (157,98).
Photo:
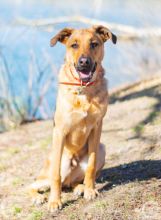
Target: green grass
(35,215)
(45,143)
(138,129)
(73,216)
(2,167)
(157,118)
(17,181)
(16,210)
(100,204)
(13,150)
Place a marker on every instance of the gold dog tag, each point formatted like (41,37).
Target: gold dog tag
(80,89)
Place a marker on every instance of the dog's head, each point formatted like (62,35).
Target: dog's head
(85,48)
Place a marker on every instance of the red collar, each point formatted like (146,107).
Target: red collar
(78,83)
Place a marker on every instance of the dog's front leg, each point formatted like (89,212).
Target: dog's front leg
(89,181)
(55,177)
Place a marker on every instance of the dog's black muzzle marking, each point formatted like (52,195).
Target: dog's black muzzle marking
(85,68)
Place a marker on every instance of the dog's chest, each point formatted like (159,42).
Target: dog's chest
(74,110)
(79,115)
(83,118)
(85,109)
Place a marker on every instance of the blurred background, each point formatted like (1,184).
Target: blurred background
(29,67)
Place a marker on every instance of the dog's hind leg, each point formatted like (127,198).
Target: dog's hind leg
(37,189)
(41,185)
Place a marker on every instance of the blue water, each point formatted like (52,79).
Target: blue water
(26,49)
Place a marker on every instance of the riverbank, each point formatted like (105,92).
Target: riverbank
(130,183)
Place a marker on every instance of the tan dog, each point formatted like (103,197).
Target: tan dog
(77,155)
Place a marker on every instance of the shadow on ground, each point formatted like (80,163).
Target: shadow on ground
(152,92)
(131,172)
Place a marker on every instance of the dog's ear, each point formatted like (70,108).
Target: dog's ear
(105,33)
(62,36)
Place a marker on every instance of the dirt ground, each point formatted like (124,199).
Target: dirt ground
(130,183)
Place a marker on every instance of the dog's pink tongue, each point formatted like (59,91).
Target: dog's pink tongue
(83,75)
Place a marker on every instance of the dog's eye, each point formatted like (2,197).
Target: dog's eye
(94,45)
(75,45)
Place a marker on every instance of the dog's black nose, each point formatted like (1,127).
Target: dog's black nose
(84,61)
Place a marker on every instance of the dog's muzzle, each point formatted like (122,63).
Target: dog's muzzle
(85,68)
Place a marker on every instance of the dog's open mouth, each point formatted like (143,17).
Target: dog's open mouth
(86,75)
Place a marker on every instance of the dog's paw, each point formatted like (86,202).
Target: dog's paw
(90,194)
(79,190)
(39,199)
(54,205)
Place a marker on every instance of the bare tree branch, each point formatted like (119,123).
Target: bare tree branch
(124,31)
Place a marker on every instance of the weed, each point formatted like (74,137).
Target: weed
(16,210)
(35,215)
(17,181)
(45,143)
(138,129)
(2,167)
(13,150)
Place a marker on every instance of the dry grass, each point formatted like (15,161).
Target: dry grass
(130,182)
